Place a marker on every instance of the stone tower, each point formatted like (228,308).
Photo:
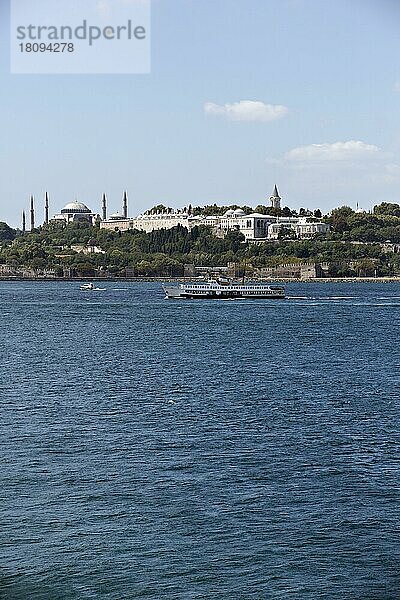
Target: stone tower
(275,199)
(23,222)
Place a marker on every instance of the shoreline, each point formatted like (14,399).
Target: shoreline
(183,279)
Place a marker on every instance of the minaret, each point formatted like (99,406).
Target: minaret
(104,207)
(32,214)
(125,207)
(275,198)
(23,222)
(46,208)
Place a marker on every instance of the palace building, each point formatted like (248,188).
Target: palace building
(254,226)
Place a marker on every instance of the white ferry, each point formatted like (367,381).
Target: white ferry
(223,289)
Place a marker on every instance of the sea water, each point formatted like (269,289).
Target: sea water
(214,450)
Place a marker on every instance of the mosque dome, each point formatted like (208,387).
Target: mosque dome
(116,216)
(75,207)
(239,212)
(229,213)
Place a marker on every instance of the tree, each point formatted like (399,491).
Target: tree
(387,208)
(84,269)
(274,212)
(340,218)
(286,212)
(234,238)
(158,208)
(366,267)
(305,212)
(38,263)
(6,232)
(286,233)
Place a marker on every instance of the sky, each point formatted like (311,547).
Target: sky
(242,94)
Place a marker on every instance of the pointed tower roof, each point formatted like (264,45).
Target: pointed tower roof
(275,193)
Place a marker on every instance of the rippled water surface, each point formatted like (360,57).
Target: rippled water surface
(214,450)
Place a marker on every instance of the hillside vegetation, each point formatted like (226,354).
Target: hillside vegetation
(356,242)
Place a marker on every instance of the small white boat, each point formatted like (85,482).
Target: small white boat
(90,287)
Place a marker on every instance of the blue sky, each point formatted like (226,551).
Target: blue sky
(242,94)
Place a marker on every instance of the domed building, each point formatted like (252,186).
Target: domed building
(76,212)
(239,212)
(116,217)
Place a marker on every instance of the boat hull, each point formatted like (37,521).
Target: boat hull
(177,293)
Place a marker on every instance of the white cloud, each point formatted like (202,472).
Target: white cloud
(351,151)
(247,110)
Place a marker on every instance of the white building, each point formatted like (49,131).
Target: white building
(306,229)
(82,249)
(260,227)
(162,220)
(254,226)
(302,227)
(117,222)
(76,212)
(159,220)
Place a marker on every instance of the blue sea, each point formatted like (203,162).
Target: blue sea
(199,450)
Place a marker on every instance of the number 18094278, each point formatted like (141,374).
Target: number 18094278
(42,47)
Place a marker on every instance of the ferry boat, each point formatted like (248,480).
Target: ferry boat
(223,289)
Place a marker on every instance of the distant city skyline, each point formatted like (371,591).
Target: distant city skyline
(41,211)
(243,94)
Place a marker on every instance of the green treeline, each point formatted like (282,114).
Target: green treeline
(356,243)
